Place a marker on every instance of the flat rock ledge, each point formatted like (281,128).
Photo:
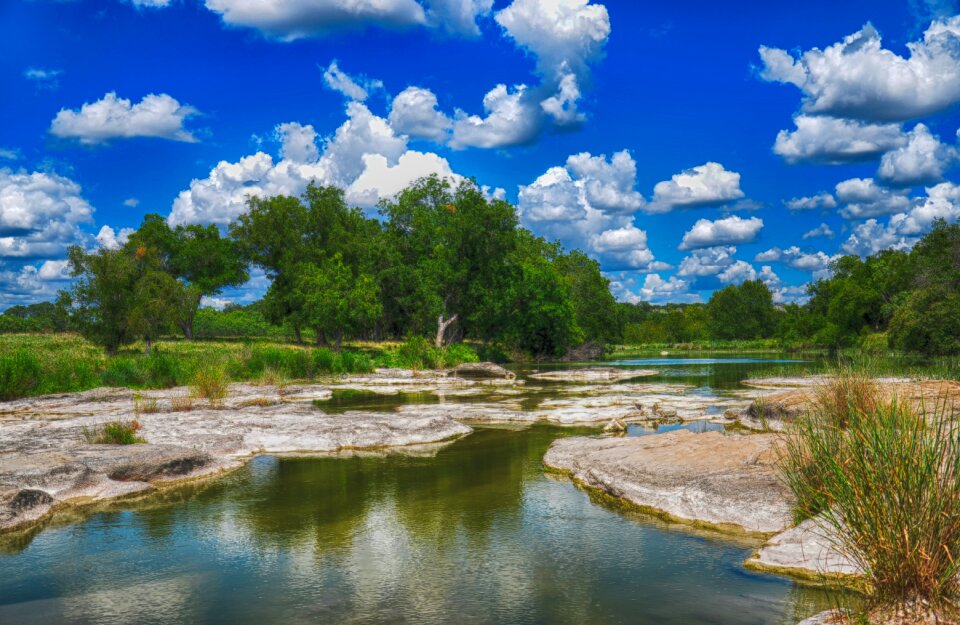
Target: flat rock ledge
(807,552)
(46,463)
(593,374)
(726,482)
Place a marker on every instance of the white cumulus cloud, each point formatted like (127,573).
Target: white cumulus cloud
(822,201)
(731,230)
(831,140)
(859,79)
(288,20)
(112,117)
(923,159)
(40,214)
(704,185)
(414,113)
(864,198)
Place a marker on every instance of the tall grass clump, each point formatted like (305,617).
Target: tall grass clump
(884,479)
(418,353)
(20,374)
(210,382)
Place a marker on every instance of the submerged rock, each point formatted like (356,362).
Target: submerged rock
(593,374)
(727,481)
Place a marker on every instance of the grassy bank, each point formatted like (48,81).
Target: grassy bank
(751,345)
(37,364)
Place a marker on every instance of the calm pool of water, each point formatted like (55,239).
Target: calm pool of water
(477,533)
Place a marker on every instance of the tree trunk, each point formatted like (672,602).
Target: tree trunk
(321,338)
(148,342)
(442,329)
(297,334)
(187,323)
(339,339)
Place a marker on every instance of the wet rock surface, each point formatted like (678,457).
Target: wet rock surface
(45,461)
(728,481)
(593,374)
(808,551)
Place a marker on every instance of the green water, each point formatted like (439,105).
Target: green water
(474,533)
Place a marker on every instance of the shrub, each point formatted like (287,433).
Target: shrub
(114,433)
(20,374)
(885,480)
(210,382)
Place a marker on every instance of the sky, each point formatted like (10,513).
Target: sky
(686,145)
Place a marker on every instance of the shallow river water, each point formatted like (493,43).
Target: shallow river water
(475,533)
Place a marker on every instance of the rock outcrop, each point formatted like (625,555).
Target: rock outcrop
(482,370)
(713,479)
(592,374)
(806,551)
(45,461)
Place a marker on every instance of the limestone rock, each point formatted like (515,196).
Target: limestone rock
(728,481)
(592,374)
(481,370)
(808,550)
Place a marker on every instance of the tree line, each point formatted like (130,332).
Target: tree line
(904,300)
(442,261)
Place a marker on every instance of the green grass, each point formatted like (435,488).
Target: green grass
(884,477)
(751,345)
(37,364)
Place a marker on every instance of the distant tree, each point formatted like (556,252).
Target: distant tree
(927,318)
(742,311)
(332,301)
(593,303)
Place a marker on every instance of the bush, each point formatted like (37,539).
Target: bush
(885,480)
(114,433)
(20,374)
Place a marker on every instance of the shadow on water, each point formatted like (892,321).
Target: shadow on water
(475,534)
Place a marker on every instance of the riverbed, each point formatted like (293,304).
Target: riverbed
(471,532)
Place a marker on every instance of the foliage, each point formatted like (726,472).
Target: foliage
(742,311)
(114,433)
(196,257)
(885,480)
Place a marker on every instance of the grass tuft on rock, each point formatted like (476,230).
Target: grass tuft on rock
(211,382)
(883,477)
(114,433)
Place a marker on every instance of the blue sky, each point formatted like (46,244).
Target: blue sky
(685,146)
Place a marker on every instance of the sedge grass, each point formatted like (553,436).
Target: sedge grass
(883,478)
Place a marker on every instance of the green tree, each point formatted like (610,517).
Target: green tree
(593,303)
(153,306)
(99,301)
(332,301)
(446,263)
(742,311)
(198,256)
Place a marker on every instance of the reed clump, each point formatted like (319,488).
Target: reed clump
(883,477)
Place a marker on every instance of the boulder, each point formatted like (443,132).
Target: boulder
(481,370)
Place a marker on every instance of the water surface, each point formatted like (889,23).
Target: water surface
(476,533)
